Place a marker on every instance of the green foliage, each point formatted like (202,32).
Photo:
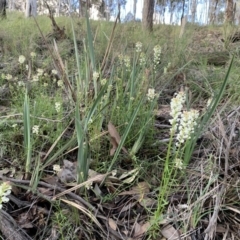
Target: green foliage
(54,126)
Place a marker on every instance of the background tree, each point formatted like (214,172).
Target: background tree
(113,7)
(11,5)
(83,6)
(134,9)
(193,10)
(147,15)
(229,13)
(31,8)
(3,5)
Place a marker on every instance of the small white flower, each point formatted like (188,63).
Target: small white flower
(5,190)
(14,125)
(165,70)
(110,87)
(95,76)
(21,59)
(103,81)
(178,163)
(54,71)
(60,83)
(127,62)
(35,129)
(40,72)
(90,121)
(56,168)
(35,78)
(151,94)
(8,77)
(5,199)
(142,59)
(209,102)
(176,108)
(21,83)
(138,47)
(187,125)
(157,54)
(33,54)
(58,106)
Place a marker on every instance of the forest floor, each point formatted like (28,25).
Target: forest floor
(90,130)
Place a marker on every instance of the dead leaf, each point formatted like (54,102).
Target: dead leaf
(141,229)
(170,232)
(141,189)
(147,202)
(126,174)
(97,191)
(128,207)
(133,174)
(45,191)
(112,224)
(50,179)
(66,176)
(115,139)
(69,172)
(92,173)
(4,171)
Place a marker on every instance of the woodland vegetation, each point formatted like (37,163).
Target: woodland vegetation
(119,129)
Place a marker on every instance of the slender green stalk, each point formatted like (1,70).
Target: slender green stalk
(82,157)
(27,133)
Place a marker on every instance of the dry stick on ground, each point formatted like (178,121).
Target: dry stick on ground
(10,229)
(213,221)
(70,194)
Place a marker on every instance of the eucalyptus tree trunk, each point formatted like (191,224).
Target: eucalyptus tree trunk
(134,9)
(213,4)
(229,13)
(183,11)
(147,15)
(119,11)
(11,4)
(171,9)
(31,8)
(81,9)
(3,5)
(193,10)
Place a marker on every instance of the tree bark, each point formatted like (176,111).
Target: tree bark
(119,11)
(147,15)
(193,10)
(11,5)
(81,9)
(229,13)
(3,5)
(212,11)
(183,12)
(31,8)
(10,229)
(134,9)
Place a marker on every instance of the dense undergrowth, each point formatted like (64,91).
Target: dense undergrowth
(138,142)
